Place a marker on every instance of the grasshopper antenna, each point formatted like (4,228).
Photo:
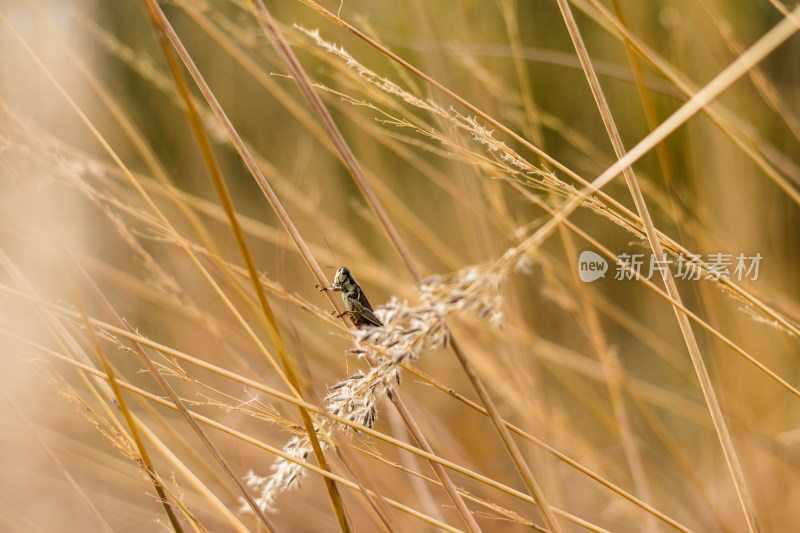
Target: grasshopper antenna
(324,238)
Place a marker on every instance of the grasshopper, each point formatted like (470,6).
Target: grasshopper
(355,302)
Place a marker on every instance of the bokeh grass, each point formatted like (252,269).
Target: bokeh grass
(115,242)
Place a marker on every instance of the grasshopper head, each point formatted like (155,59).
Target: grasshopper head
(342,277)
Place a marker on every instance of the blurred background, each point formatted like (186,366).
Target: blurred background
(105,192)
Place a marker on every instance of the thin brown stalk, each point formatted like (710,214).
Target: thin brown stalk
(274,202)
(411,464)
(672,289)
(609,364)
(275,36)
(268,316)
(304,83)
(422,442)
(147,463)
(511,448)
(350,161)
(651,115)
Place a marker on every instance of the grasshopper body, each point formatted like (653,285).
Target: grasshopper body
(355,302)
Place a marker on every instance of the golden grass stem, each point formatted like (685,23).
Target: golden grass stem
(672,290)
(176,400)
(147,463)
(596,336)
(304,83)
(268,316)
(262,182)
(714,88)
(355,170)
(275,36)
